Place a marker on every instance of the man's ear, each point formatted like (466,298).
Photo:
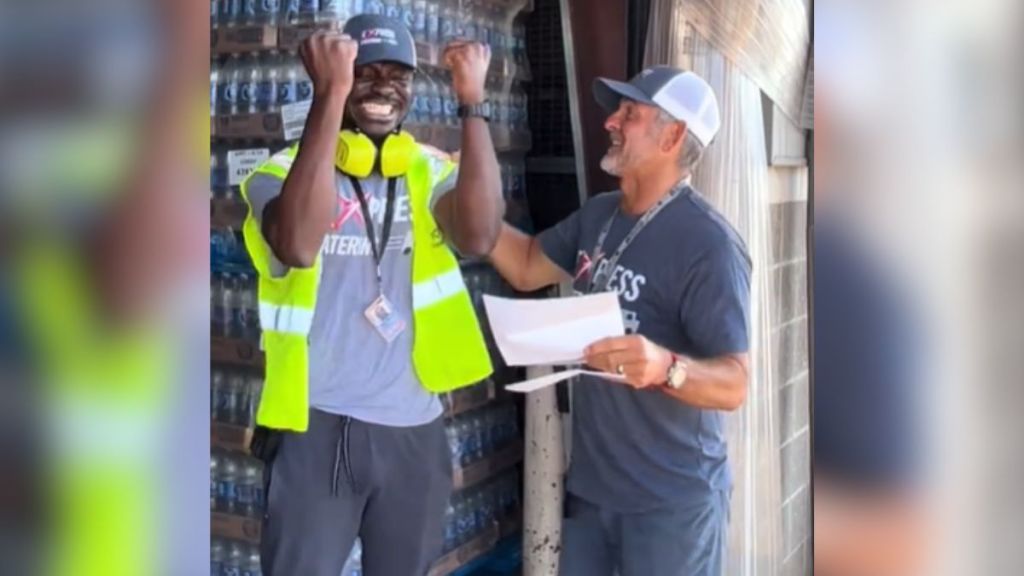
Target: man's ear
(674,135)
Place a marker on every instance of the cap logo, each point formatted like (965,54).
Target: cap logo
(378,36)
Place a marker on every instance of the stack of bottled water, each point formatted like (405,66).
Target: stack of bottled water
(236,484)
(234,395)
(473,510)
(481,433)
(232,558)
(258,82)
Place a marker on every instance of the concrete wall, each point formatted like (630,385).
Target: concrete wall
(789,348)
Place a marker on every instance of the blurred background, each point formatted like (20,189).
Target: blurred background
(909,117)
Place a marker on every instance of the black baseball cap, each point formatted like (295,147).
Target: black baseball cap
(381,39)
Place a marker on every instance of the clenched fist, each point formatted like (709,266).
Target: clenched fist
(329,57)
(468,62)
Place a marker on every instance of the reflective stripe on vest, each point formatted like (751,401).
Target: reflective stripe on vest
(449,350)
(290,319)
(437,289)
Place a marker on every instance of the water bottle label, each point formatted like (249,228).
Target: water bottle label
(244,495)
(286,93)
(451,108)
(433,25)
(374,7)
(265,94)
(246,92)
(304,90)
(419,23)
(231,571)
(226,490)
(291,7)
(436,106)
(470,31)
(393,11)
(447,29)
(229,9)
(267,8)
(309,6)
(229,92)
(249,8)
(409,19)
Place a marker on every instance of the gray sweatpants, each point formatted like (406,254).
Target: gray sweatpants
(677,541)
(344,478)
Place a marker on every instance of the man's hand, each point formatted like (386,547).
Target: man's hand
(468,62)
(329,57)
(641,361)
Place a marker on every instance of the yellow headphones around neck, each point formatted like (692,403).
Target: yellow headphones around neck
(357,154)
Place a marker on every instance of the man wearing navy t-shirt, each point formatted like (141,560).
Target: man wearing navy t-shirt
(649,480)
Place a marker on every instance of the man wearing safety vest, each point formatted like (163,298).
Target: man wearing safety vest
(364,312)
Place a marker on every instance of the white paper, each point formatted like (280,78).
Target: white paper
(241,163)
(293,119)
(540,382)
(552,331)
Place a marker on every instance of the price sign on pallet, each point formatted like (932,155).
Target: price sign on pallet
(241,163)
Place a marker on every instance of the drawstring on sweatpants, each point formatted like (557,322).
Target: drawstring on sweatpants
(341,451)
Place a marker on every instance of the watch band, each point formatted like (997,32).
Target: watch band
(481,110)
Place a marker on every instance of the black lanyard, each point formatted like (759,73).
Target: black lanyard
(602,280)
(389,216)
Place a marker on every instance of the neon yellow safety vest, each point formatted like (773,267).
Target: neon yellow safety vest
(449,351)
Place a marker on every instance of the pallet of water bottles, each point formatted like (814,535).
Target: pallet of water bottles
(254,25)
(262,90)
(237,498)
(476,518)
(230,557)
(483,442)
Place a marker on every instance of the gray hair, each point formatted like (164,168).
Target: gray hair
(692,150)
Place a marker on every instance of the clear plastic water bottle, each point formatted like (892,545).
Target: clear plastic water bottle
(451,528)
(249,10)
(248,488)
(236,557)
(451,432)
(419,20)
(215,463)
(256,393)
(307,11)
(451,103)
(268,11)
(230,10)
(287,75)
(214,81)
(226,487)
(289,12)
(252,563)
(217,554)
(246,324)
(229,287)
(465,519)
(266,89)
(432,26)
(303,83)
(435,100)
(476,443)
(483,25)
(248,79)
(374,7)
(235,398)
(227,86)
(334,11)
(406,15)
(449,22)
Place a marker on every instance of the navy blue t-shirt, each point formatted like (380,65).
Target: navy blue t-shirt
(684,283)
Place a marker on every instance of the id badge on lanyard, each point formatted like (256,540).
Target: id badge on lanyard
(381,313)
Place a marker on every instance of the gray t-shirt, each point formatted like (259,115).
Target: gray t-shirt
(353,370)
(684,283)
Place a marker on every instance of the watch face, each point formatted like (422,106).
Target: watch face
(677,375)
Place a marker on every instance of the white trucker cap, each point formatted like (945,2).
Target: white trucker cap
(684,95)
